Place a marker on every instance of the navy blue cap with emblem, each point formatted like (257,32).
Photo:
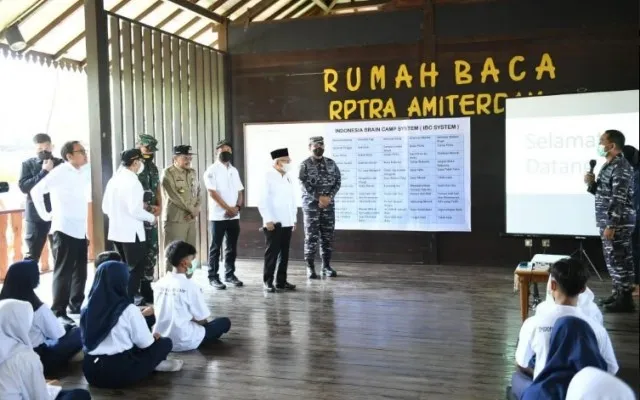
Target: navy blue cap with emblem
(182,150)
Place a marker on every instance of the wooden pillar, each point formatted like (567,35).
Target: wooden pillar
(16,229)
(4,254)
(97,40)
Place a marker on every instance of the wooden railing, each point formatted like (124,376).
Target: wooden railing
(11,241)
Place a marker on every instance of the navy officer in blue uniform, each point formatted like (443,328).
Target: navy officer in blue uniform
(616,218)
(320,181)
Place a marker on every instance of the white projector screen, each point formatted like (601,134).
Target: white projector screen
(402,175)
(549,142)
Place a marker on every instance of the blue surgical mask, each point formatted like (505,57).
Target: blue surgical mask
(601,151)
(192,267)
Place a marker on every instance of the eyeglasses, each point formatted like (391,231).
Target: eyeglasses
(83,151)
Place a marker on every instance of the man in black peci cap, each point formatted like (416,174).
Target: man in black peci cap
(181,197)
(123,204)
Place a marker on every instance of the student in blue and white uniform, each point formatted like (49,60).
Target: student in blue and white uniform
(21,374)
(595,384)
(119,349)
(51,341)
(183,315)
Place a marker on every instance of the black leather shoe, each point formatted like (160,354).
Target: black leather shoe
(311,273)
(608,300)
(73,310)
(285,286)
(622,304)
(215,282)
(66,321)
(233,281)
(330,272)
(268,287)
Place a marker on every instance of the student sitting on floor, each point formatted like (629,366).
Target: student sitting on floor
(119,349)
(147,311)
(573,347)
(55,345)
(21,374)
(586,303)
(568,280)
(595,384)
(182,312)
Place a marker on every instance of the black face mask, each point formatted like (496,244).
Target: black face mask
(45,155)
(318,151)
(225,156)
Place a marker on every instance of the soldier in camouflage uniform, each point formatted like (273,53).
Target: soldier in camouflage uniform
(320,180)
(616,217)
(150,180)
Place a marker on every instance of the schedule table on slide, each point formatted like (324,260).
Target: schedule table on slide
(407,179)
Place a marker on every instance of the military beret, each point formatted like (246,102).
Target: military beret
(279,153)
(223,142)
(148,141)
(183,149)
(127,156)
(316,140)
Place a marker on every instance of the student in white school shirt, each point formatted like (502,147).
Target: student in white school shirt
(225,189)
(21,374)
(69,188)
(569,279)
(586,303)
(54,343)
(278,209)
(123,202)
(119,348)
(182,314)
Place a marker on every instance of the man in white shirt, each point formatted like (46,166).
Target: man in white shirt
(568,280)
(222,181)
(69,191)
(182,314)
(278,209)
(123,203)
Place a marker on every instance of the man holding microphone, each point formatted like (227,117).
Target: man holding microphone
(278,209)
(616,217)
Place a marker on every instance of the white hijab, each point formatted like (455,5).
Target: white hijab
(16,318)
(594,384)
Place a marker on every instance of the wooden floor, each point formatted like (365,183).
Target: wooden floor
(375,332)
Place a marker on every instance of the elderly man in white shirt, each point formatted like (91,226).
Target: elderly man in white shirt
(278,209)
(123,203)
(222,181)
(69,189)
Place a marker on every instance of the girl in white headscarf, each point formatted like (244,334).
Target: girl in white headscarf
(21,372)
(595,384)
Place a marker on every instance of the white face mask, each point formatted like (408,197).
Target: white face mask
(141,168)
(286,167)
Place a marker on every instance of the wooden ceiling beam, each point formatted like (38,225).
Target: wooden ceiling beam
(321,5)
(60,53)
(256,10)
(202,32)
(235,8)
(198,10)
(291,10)
(53,24)
(26,14)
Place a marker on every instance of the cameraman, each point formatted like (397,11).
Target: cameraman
(33,170)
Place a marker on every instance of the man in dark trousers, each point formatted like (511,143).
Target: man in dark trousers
(279,211)
(33,170)
(616,218)
(70,192)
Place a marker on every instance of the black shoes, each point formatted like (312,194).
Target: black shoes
(73,310)
(608,300)
(66,322)
(215,283)
(329,272)
(234,281)
(268,287)
(622,303)
(311,273)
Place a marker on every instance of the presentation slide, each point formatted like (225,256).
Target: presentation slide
(402,175)
(549,143)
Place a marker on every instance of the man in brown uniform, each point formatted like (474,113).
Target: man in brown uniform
(181,196)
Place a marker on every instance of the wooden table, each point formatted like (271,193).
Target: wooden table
(525,278)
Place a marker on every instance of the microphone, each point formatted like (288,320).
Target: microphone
(592,164)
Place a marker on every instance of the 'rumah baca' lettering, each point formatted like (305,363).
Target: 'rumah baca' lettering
(426,75)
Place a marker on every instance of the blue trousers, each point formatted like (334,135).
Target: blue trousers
(127,368)
(55,354)
(519,383)
(73,394)
(216,328)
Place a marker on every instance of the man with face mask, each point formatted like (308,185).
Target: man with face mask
(150,180)
(123,203)
(278,209)
(222,181)
(181,196)
(320,180)
(616,217)
(33,170)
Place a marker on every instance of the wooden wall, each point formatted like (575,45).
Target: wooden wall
(277,76)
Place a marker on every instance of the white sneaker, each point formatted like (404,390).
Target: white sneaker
(170,366)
